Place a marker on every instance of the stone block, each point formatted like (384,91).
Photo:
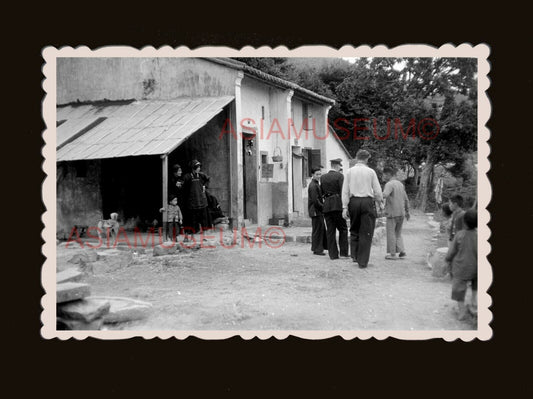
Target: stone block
(301,222)
(209,243)
(70,291)
(66,324)
(87,255)
(124,309)
(188,246)
(434,224)
(68,275)
(160,250)
(278,238)
(303,239)
(439,267)
(86,310)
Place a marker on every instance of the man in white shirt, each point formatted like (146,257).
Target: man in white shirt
(360,193)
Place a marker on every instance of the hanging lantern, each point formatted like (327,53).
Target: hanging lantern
(277,157)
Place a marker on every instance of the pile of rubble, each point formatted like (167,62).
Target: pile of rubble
(76,309)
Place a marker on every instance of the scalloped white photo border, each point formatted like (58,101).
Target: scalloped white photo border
(48,274)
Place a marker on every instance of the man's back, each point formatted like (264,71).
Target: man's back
(396,198)
(361,181)
(331,182)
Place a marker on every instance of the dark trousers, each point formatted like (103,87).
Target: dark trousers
(362,223)
(334,222)
(198,219)
(318,235)
(173,230)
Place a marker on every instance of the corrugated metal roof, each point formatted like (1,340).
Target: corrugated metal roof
(137,128)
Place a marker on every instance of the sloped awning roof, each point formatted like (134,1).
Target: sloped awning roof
(97,131)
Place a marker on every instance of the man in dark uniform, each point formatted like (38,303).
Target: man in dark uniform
(331,184)
(315,204)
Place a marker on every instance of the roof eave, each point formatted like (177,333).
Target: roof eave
(272,80)
(340,141)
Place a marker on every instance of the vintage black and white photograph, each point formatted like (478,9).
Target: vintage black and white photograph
(311,193)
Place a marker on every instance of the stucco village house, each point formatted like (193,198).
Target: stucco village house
(123,122)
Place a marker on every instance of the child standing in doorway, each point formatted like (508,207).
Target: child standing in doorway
(174,218)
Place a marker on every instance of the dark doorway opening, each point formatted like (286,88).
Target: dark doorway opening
(131,186)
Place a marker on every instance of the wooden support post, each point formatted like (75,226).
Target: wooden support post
(288,170)
(164,162)
(236,159)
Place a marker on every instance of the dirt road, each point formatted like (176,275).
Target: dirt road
(287,288)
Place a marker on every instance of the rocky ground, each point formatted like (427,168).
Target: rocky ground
(266,288)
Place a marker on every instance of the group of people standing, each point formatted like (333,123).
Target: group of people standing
(325,210)
(335,198)
(188,200)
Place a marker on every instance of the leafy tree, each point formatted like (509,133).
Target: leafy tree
(457,136)
(387,91)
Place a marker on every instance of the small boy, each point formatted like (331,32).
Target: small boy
(462,258)
(174,217)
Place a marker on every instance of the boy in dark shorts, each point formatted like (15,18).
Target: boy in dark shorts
(462,257)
